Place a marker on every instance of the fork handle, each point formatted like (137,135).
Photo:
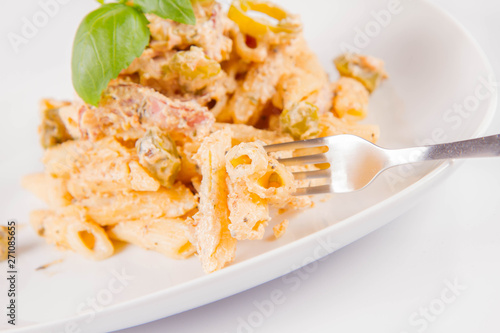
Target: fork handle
(488,146)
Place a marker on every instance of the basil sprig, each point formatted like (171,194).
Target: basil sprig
(112,36)
(179,11)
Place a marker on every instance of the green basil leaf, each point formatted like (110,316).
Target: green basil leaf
(178,10)
(107,41)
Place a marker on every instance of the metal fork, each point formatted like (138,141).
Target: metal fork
(354,162)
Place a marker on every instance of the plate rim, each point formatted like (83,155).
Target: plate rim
(421,186)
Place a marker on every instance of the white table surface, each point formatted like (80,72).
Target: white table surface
(398,278)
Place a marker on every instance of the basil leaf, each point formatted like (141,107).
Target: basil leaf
(107,41)
(178,10)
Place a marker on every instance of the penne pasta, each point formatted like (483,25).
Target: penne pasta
(120,206)
(52,129)
(331,125)
(280,228)
(249,214)
(70,228)
(245,133)
(215,245)
(350,99)
(304,82)
(262,174)
(49,189)
(105,166)
(250,49)
(4,243)
(168,236)
(259,85)
(210,31)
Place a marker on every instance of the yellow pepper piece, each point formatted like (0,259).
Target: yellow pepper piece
(194,64)
(158,154)
(301,121)
(367,70)
(256,27)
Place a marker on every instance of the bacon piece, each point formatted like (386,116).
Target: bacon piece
(127,110)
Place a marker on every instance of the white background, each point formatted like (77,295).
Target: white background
(381,282)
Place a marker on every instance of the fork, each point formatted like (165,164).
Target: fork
(354,162)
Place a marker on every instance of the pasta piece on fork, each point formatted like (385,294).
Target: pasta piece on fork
(255,180)
(215,245)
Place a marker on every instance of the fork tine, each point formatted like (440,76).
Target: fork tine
(318,142)
(301,175)
(322,189)
(301,160)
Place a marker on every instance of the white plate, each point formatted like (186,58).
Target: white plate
(433,64)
